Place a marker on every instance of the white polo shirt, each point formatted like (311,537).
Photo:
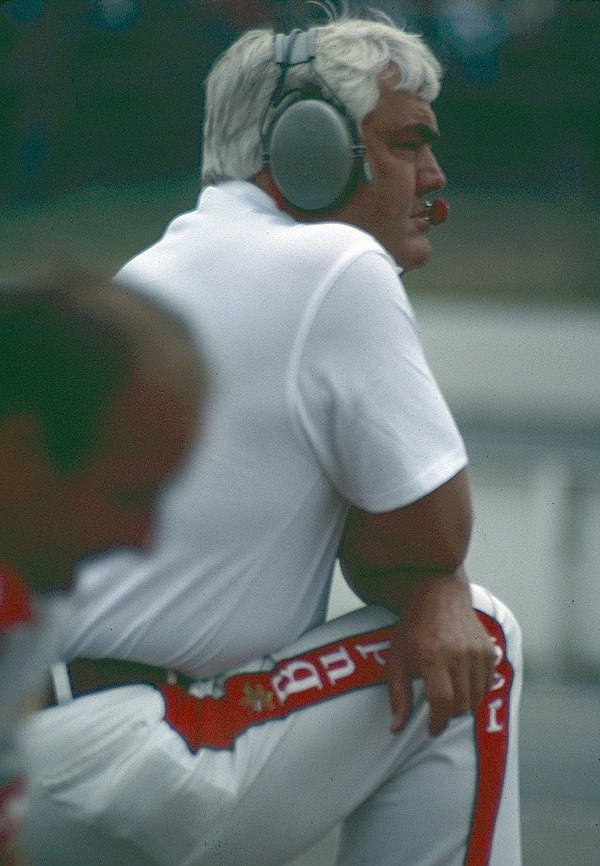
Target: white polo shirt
(321,398)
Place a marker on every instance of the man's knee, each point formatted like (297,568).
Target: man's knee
(491,606)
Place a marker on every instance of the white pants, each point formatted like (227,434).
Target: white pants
(113,784)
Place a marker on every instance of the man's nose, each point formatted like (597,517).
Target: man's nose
(431,176)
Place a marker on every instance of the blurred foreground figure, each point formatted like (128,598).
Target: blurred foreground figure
(99,400)
(214,716)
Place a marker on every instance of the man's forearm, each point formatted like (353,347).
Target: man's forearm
(394,587)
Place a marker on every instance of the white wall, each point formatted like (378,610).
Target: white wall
(530,364)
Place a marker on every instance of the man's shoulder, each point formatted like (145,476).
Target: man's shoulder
(252,204)
(236,222)
(337,241)
(340,232)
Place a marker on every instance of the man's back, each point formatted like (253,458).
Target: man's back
(249,534)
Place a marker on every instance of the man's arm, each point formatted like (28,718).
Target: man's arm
(410,561)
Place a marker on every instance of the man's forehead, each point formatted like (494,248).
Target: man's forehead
(406,112)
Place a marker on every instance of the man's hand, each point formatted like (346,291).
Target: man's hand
(439,638)
(410,561)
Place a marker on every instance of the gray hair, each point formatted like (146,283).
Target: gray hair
(351,56)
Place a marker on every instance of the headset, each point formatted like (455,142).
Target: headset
(311,145)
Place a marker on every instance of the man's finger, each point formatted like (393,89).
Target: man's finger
(439,691)
(456,690)
(399,685)
(481,681)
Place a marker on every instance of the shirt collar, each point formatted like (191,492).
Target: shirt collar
(243,190)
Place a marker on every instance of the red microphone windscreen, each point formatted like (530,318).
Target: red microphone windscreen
(438,212)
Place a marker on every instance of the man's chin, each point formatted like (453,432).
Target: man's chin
(413,254)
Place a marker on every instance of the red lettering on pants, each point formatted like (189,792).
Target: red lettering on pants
(251,699)
(335,669)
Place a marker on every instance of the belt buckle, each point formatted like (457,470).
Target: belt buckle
(61,684)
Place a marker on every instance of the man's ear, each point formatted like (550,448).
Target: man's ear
(25,467)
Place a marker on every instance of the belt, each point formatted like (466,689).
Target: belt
(82,676)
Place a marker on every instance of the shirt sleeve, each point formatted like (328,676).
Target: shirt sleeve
(362,392)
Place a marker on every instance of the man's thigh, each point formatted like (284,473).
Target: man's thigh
(109,761)
(456,800)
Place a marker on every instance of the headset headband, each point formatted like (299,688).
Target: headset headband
(295,49)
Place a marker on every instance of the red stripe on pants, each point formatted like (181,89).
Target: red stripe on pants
(491,736)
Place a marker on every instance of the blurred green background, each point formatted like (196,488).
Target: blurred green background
(101,111)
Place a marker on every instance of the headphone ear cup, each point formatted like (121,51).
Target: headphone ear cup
(311,156)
